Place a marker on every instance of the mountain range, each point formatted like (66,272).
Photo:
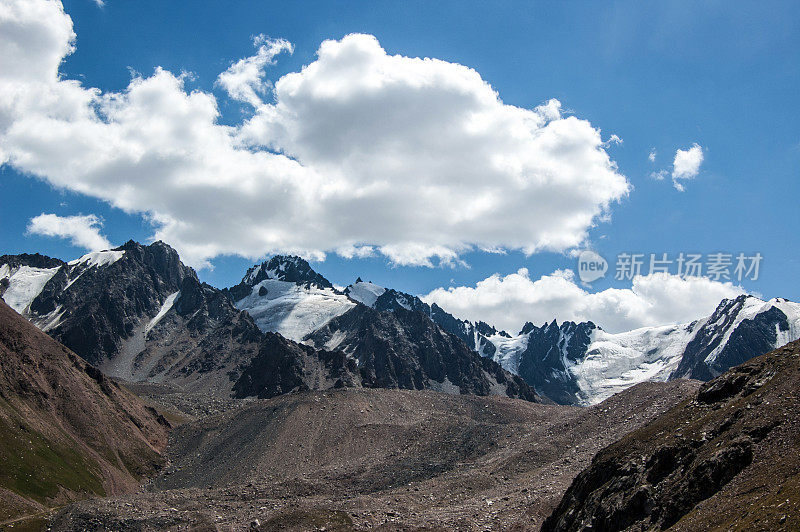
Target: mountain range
(294,404)
(140,314)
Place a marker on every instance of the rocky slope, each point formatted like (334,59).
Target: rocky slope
(282,366)
(726,457)
(473,334)
(66,430)
(199,342)
(358,459)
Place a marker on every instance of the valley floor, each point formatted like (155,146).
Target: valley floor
(359,458)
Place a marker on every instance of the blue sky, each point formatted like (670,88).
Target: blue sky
(660,77)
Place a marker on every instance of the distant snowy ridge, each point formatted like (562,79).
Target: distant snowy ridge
(596,364)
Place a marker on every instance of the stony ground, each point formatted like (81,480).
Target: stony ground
(386,459)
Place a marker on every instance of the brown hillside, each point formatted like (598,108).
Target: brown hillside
(66,431)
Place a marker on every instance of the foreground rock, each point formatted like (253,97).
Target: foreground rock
(66,431)
(362,458)
(728,456)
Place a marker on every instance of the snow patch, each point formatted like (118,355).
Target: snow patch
(792,311)
(614,362)
(365,292)
(24,284)
(51,320)
(335,341)
(162,311)
(99,258)
(509,350)
(292,310)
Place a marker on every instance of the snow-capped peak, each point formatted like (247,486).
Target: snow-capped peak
(293,309)
(732,312)
(364,292)
(289,268)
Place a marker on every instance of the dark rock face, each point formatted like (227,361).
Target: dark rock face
(93,308)
(550,348)
(202,343)
(34,260)
(282,366)
(474,335)
(750,338)
(405,349)
(103,304)
(735,430)
(287,268)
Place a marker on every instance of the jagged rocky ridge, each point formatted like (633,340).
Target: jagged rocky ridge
(285,295)
(405,349)
(580,363)
(583,364)
(115,308)
(143,316)
(725,458)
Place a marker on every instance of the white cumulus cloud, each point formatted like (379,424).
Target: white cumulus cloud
(82,231)
(686,164)
(511,300)
(415,158)
(244,79)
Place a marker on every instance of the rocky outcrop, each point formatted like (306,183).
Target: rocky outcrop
(282,366)
(551,350)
